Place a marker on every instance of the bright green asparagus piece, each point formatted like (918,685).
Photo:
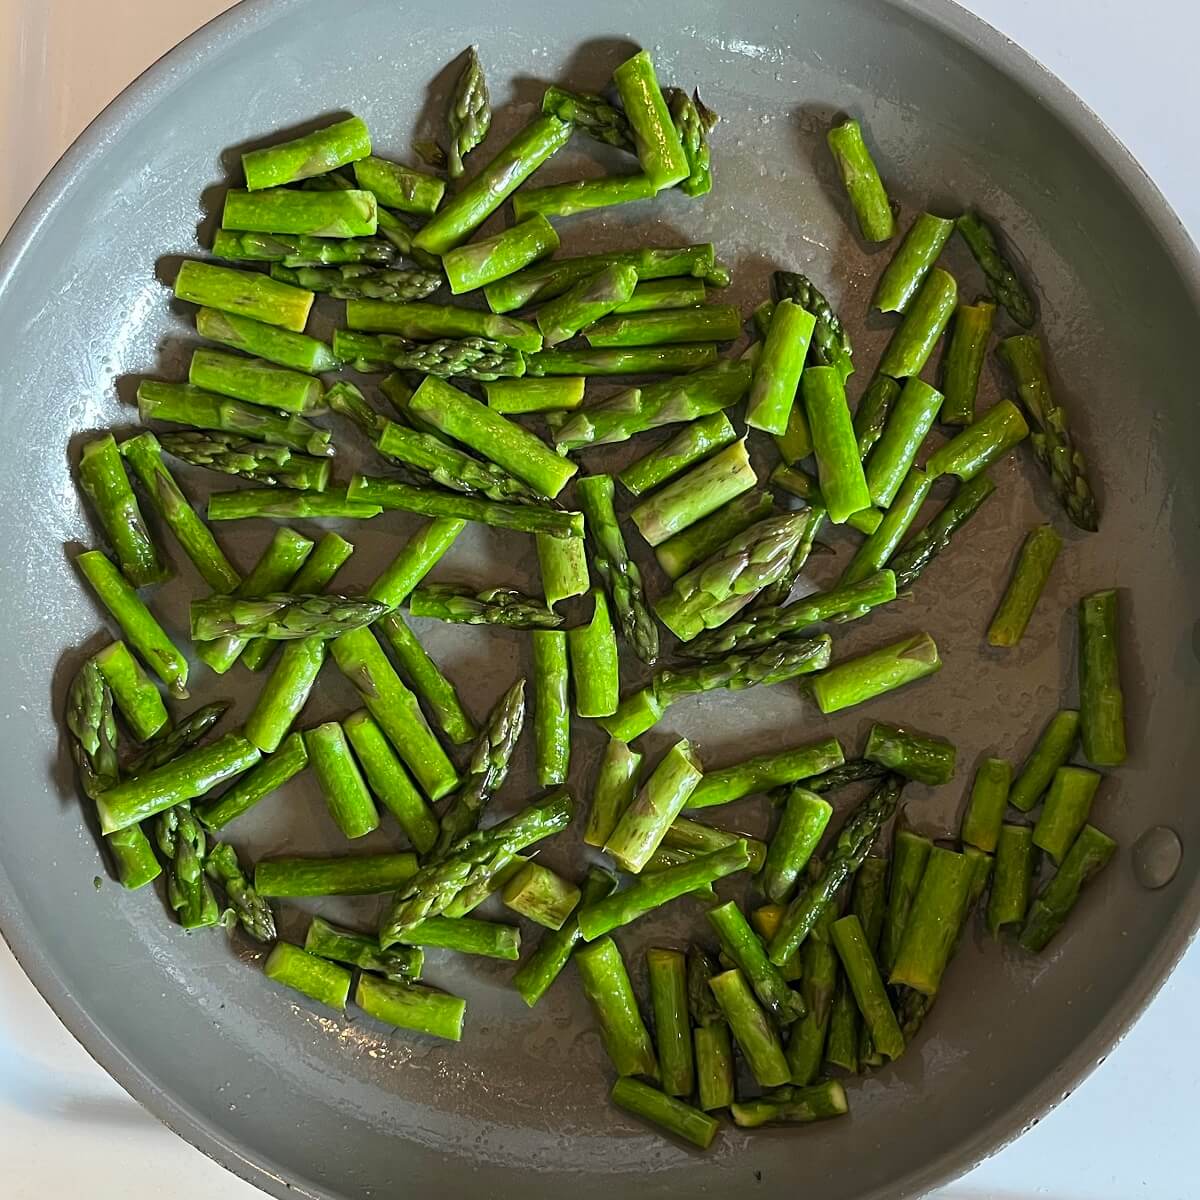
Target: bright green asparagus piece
(1038,553)
(424,322)
(183,735)
(690,445)
(801,826)
(479,263)
(412,1006)
(323,150)
(711,1040)
(588,300)
(982,443)
(1053,750)
(271,773)
(563,566)
(285,693)
(693,121)
(465,935)
(469,357)
(925,319)
(354,875)
(360,281)
(296,250)
(136,697)
(399,963)
(659,149)
(914,257)
(908,424)
(616,784)
(232,454)
(752,1029)
(937,913)
(925,546)
(294,350)
(469,116)
(280,616)
(667,974)
(1089,854)
(874,409)
(703,539)
(645,821)
(1066,810)
(764,772)
(797,483)
(667,326)
(854,950)
(607,986)
(819,982)
(539,894)
(345,791)
(1101,701)
(519,396)
(1012,878)
(402,188)
(665,293)
(244,293)
(323,981)
(914,755)
(584,195)
(590,114)
(622,360)
(253,913)
(491,606)
(910,852)
(777,373)
(1002,280)
(288,505)
(594,662)
(694,838)
(419,555)
(883,542)
(868,198)
(843,485)
(743,947)
(348,213)
(964,361)
(663,1110)
(856,680)
(254,380)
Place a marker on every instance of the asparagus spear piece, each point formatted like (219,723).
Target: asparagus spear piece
(796,483)
(594,663)
(425,322)
(910,852)
(693,121)
(669,402)
(538,893)
(855,771)
(607,986)
(695,495)
(819,975)
(985,809)
(884,541)
(471,861)
(103,480)
(280,616)
(659,149)
(362,660)
(136,697)
(348,213)
(777,373)
(793,1104)
(252,912)
(465,935)
(914,755)
(271,773)
(667,973)
(563,566)
(644,823)
(915,256)
(412,1006)
(325,982)
(419,555)
(356,875)
(855,839)
(854,950)
(546,280)
(295,250)
(874,409)
(964,361)
(687,837)
(469,357)
(183,735)
(1101,701)
(1068,805)
(469,116)
(703,539)
(345,791)
(665,293)
(285,504)
(752,1029)
(925,546)
(982,443)
(1002,281)
(616,569)
(764,772)
(587,301)
(367,491)
(615,787)
(244,293)
(843,485)
(285,693)
(1012,878)
(254,380)
(711,1042)
(621,360)
(868,198)
(519,396)
(137,623)
(232,454)
(590,114)
(690,445)
(654,889)
(1055,746)
(860,679)
(583,195)
(545,964)
(843,1036)
(400,964)
(182,404)
(479,263)
(324,149)
(492,606)
(667,326)
(1038,553)
(93,729)
(925,319)
(801,826)
(187,777)
(399,187)
(358,281)
(933,922)
(911,419)
(742,946)
(464,213)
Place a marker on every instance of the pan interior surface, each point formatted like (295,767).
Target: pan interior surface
(304,1102)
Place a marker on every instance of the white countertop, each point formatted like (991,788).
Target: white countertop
(66,1129)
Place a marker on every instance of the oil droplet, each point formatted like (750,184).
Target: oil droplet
(1156,856)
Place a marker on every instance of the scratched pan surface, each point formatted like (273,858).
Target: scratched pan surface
(302,1103)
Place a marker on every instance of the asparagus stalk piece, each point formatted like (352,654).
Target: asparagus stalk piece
(543,967)
(874,409)
(742,946)
(362,660)
(465,935)
(419,555)
(587,301)
(855,839)
(345,791)
(295,250)
(857,680)
(425,322)
(793,1105)
(616,569)
(285,693)
(752,1029)
(644,823)
(295,350)
(607,986)
(479,263)
(843,485)
(843,1037)
(1055,746)
(280,616)
(288,505)
(868,198)
(244,293)
(819,975)
(359,281)
(348,213)
(412,1006)
(656,888)
(137,623)
(915,256)
(1034,564)
(854,950)
(777,373)
(1101,701)
(1012,878)
(803,822)
(908,425)
(471,861)
(323,981)
(594,663)
(914,755)
(103,480)
(1003,282)
(669,402)
(231,454)
(667,326)
(985,809)
(764,772)
(400,964)
(1088,856)
(615,787)
(910,852)
(399,187)
(665,293)
(933,922)
(693,121)
(469,357)
(925,319)
(492,606)
(868,905)
(659,149)
(690,445)
(257,784)
(563,566)
(583,195)
(538,893)
(964,361)
(357,875)
(183,735)
(694,838)
(469,116)
(925,546)
(182,404)
(136,697)
(795,482)
(519,396)
(667,973)
(323,150)
(1068,805)
(883,542)
(703,539)
(367,491)
(622,360)
(464,213)
(855,771)
(254,380)
(251,911)
(982,443)
(590,114)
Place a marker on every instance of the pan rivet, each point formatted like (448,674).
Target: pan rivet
(1156,856)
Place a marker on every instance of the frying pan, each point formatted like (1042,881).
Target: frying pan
(302,1103)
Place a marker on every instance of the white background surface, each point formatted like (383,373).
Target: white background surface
(1128,1134)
